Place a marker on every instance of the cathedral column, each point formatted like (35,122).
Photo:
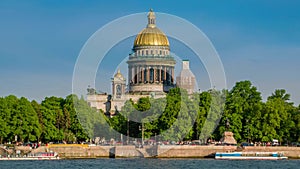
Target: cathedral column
(172,78)
(165,76)
(136,70)
(170,74)
(129,74)
(160,74)
(137,74)
(143,76)
(154,74)
(133,74)
(157,74)
(148,75)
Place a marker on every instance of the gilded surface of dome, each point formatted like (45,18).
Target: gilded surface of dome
(151,35)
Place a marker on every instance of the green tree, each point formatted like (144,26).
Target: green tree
(29,121)
(37,108)
(212,105)
(243,109)
(204,100)
(21,119)
(10,109)
(5,116)
(280,94)
(73,130)
(176,123)
(295,131)
(277,119)
(51,109)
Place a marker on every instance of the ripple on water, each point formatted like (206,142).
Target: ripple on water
(129,163)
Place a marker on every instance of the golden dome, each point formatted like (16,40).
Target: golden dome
(151,35)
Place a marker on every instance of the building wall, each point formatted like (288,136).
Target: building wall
(186,79)
(187,83)
(98,101)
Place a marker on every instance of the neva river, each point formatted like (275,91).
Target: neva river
(149,163)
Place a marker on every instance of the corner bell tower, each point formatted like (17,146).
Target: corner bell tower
(118,85)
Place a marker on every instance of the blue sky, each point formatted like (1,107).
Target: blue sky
(40,41)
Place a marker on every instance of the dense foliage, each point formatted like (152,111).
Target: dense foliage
(253,120)
(54,120)
(176,117)
(202,116)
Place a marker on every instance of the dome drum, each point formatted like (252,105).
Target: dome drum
(147,88)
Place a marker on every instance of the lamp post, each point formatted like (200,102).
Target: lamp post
(247,130)
(142,129)
(127,130)
(155,138)
(142,133)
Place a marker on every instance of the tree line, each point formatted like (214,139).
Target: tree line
(204,115)
(179,116)
(53,120)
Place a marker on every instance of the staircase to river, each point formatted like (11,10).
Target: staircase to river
(148,151)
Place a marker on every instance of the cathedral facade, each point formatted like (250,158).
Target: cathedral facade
(151,70)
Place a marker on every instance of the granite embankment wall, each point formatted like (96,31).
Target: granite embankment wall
(80,151)
(184,151)
(191,151)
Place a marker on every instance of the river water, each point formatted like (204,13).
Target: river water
(129,163)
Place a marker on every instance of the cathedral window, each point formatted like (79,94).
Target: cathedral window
(118,91)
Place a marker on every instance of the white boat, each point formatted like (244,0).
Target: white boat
(250,156)
(35,156)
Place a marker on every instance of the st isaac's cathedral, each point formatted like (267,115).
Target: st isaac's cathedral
(150,72)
